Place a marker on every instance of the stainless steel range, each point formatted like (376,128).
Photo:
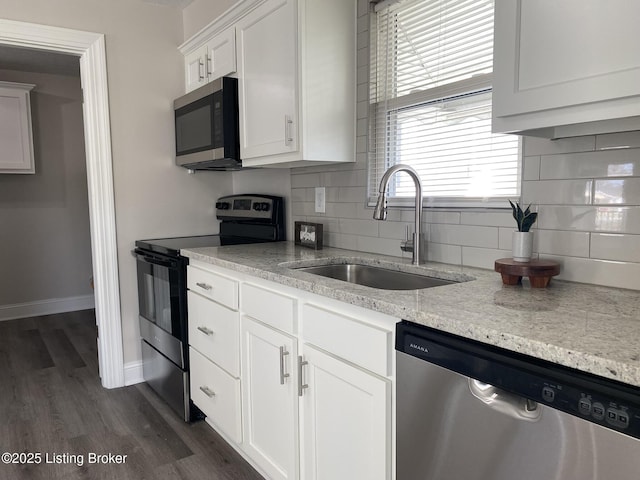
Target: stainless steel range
(162,290)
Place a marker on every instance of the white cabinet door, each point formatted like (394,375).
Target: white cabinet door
(16,137)
(215,58)
(195,67)
(221,54)
(560,63)
(270,401)
(346,420)
(267,66)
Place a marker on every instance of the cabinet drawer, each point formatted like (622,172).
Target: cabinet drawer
(217,394)
(211,285)
(214,331)
(349,338)
(269,307)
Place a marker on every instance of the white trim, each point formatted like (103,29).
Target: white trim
(228,18)
(46,307)
(90,47)
(133,373)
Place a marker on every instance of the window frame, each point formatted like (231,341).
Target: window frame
(378,164)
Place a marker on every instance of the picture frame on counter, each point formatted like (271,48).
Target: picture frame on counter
(308,235)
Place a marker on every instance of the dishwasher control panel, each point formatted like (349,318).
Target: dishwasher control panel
(602,401)
(594,405)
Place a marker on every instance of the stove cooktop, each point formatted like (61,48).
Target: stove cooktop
(172,246)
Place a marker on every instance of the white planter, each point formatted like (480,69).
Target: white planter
(522,246)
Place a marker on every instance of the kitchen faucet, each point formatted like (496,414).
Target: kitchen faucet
(380,212)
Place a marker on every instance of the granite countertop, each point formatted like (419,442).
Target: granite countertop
(587,327)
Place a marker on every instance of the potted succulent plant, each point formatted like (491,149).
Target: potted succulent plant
(522,239)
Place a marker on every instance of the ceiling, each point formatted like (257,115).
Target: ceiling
(41,61)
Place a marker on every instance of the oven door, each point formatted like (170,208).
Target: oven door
(161,303)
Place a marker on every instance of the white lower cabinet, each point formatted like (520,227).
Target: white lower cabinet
(217,394)
(270,399)
(346,420)
(313,400)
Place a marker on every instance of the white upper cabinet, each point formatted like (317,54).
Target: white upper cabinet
(566,68)
(297,80)
(16,136)
(215,58)
(268,80)
(296,70)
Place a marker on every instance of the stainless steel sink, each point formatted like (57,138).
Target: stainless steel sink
(376,277)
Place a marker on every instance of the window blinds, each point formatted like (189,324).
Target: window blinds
(430,94)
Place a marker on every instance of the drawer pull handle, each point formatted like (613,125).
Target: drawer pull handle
(204,286)
(208,392)
(206,331)
(283,375)
(301,384)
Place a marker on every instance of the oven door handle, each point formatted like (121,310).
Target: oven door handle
(155,260)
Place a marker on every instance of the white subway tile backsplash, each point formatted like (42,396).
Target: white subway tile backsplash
(531,168)
(608,246)
(505,236)
(431,216)
(543,146)
(502,218)
(439,252)
(395,230)
(306,180)
(352,226)
(617,191)
(557,192)
(474,236)
(590,219)
(340,240)
(609,163)
(600,272)
(557,242)
(482,257)
(383,246)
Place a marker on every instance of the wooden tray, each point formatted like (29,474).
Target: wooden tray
(538,271)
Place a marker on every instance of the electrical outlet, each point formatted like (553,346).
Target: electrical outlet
(320,200)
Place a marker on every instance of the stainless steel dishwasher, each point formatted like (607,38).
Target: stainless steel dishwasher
(469,411)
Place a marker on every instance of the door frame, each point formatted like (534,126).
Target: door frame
(90,47)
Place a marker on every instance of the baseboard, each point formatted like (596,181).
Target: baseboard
(46,307)
(133,373)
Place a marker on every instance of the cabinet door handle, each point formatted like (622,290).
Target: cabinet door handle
(208,392)
(206,331)
(204,286)
(209,61)
(200,70)
(301,384)
(283,375)
(288,130)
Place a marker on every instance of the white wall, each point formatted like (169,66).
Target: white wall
(199,13)
(44,218)
(153,197)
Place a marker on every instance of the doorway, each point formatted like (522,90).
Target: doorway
(90,49)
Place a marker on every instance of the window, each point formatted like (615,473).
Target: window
(430,94)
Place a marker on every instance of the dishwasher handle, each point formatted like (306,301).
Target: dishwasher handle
(515,406)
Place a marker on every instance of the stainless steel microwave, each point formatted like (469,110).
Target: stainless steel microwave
(207,128)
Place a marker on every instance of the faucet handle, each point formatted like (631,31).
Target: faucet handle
(407,244)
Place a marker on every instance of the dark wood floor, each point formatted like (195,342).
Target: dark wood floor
(52,403)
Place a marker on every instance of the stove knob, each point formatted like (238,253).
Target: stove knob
(257,206)
(222,205)
(265,207)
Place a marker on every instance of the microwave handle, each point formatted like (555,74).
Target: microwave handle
(288,128)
